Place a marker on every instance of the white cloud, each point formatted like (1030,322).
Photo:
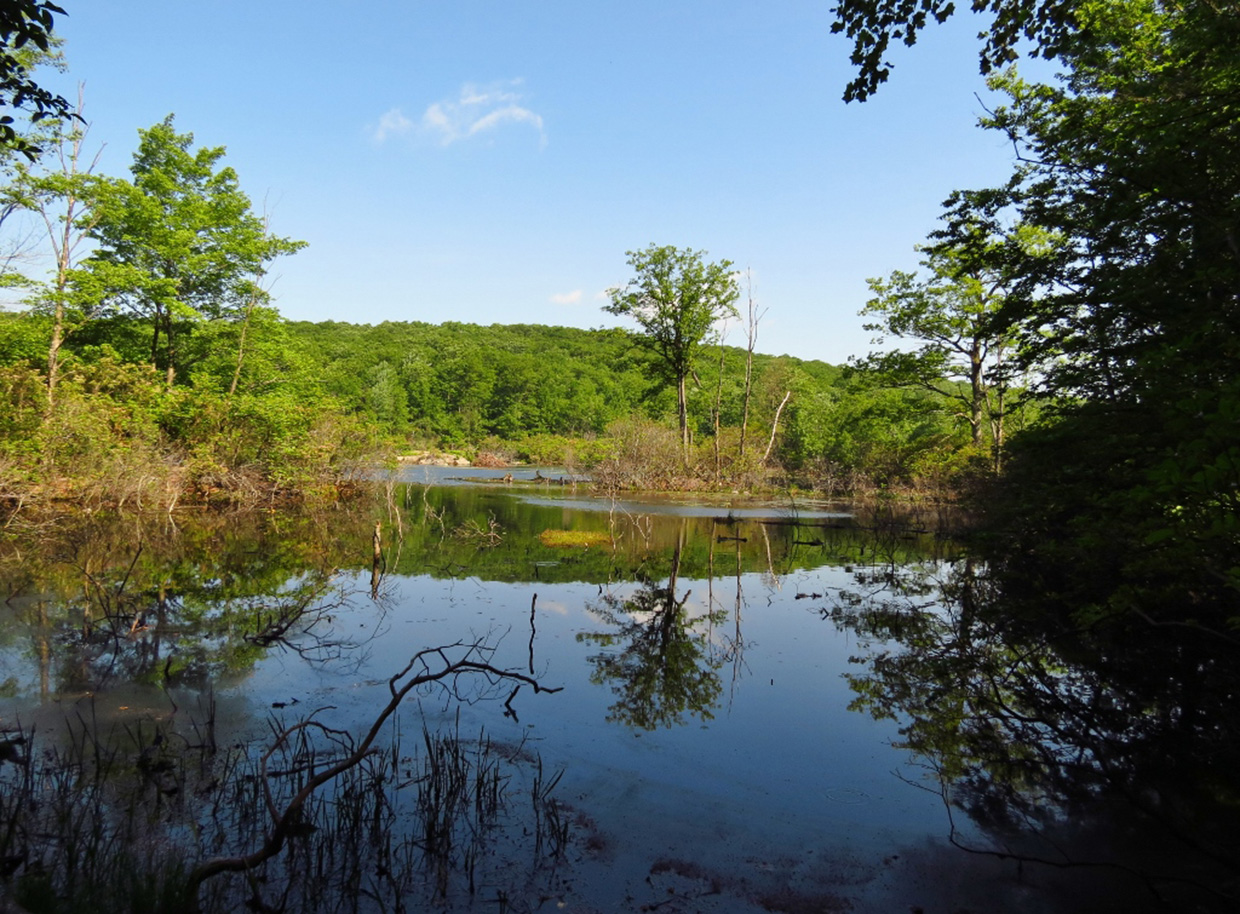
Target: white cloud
(567,298)
(478,109)
(392,123)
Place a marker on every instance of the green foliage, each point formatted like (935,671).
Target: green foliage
(874,24)
(26,24)
(172,287)
(462,383)
(179,245)
(24,396)
(23,339)
(1133,321)
(1119,509)
(580,398)
(676,299)
(955,316)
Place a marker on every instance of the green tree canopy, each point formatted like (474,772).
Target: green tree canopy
(1123,508)
(676,298)
(954,316)
(180,243)
(1127,507)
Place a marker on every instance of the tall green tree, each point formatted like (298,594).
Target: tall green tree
(180,244)
(677,298)
(1137,338)
(1126,507)
(953,314)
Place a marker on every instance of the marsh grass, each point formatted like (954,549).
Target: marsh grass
(114,818)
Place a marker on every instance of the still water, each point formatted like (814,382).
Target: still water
(706,706)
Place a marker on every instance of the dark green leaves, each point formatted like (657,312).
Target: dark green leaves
(873,24)
(25,22)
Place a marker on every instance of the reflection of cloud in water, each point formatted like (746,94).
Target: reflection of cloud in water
(549,606)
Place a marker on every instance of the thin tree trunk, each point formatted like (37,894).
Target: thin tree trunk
(245,327)
(683,406)
(997,431)
(53,356)
(775,426)
(64,255)
(718,410)
(157,320)
(172,352)
(65,231)
(978,388)
(752,334)
(996,421)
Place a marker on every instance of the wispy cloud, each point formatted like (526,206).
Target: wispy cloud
(392,123)
(566,298)
(479,109)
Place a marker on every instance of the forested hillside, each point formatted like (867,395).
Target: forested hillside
(521,387)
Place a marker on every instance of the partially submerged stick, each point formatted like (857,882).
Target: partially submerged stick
(284,821)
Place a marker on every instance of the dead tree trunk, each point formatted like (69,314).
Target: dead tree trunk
(775,426)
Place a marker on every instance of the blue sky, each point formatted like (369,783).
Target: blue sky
(492,162)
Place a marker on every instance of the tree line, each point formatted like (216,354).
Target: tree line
(564,395)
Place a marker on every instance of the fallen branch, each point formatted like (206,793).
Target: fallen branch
(473,661)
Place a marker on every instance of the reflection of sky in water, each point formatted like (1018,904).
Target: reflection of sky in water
(782,768)
(777,782)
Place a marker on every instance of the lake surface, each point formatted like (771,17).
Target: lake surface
(722,729)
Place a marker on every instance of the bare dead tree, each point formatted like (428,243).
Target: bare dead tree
(257,296)
(775,425)
(754,317)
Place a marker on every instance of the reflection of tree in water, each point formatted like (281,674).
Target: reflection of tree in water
(1069,747)
(658,666)
(127,602)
